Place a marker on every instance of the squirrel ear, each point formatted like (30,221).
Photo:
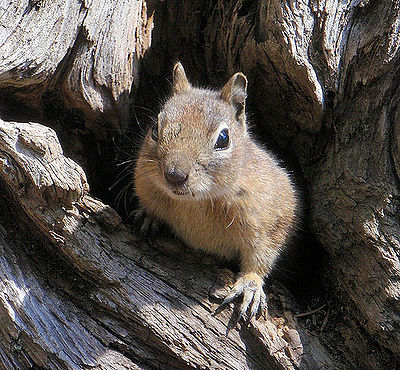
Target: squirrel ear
(235,93)
(180,82)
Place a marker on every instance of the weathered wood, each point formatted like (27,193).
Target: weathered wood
(127,303)
(88,49)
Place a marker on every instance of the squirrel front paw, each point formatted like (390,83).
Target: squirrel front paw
(254,299)
(146,224)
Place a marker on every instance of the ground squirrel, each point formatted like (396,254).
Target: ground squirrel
(200,172)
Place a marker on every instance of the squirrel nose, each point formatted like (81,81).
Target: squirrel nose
(176,177)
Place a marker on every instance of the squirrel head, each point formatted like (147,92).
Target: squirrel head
(197,147)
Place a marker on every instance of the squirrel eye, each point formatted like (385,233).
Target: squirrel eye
(154,132)
(223,140)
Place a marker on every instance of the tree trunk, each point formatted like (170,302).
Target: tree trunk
(79,289)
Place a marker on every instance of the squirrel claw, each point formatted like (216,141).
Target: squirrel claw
(235,292)
(254,298)
(144,223)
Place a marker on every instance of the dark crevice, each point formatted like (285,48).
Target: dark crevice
(247,7)
(393,115)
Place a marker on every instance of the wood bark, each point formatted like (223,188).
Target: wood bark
(94,45)
(79,289)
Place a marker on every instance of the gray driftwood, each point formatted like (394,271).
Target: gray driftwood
(78,289)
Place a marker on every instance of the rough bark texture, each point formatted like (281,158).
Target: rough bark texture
(94,45)
(78,289)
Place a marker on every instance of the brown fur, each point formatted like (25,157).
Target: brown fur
(235,203)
